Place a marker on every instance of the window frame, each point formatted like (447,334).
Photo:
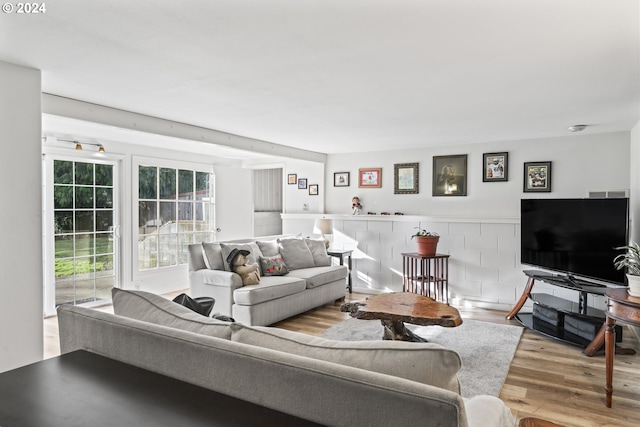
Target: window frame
(137,162)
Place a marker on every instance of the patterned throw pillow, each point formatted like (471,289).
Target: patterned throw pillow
(273,266)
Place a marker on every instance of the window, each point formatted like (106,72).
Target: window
(175,209)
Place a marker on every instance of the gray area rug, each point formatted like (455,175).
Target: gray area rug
(486,349)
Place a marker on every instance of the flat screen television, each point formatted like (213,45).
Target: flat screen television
(575,236)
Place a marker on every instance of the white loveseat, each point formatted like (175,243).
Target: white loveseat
(334,383)
(311,279)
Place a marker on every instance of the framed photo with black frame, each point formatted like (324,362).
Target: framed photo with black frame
(495,167)
(405,178)
(313,189)
(292,179)
(537,177)
(449,175)
(302,183)
(341,179)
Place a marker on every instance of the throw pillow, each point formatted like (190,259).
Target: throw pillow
(296,253)
(273,266)
(213,256)
(319,252)
(268,248)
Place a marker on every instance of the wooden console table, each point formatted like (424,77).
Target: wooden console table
(626,309)
(420,272)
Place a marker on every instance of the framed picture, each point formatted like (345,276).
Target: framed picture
(292,179)
(494,167)
(405,178)
(341,179)
(537,177)
(313,189)
(370,178)
(450,175)
(302,183)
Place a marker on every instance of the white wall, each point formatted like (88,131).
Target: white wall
(21,328)
(634,160)
(299,200)
(479,231)
(581,163)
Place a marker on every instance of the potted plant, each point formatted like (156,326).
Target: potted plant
(427,242)
(631,260)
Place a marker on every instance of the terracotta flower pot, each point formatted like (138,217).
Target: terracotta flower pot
(427,245)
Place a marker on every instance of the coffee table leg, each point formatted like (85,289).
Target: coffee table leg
(397,331)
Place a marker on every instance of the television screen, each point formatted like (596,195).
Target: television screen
(575,236)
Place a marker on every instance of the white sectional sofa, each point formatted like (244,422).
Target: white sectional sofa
(311,279)
(334,383)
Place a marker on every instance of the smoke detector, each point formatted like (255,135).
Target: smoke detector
(577,128)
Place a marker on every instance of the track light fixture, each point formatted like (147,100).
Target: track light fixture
(77,144)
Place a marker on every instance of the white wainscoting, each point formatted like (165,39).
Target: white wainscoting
(484,263)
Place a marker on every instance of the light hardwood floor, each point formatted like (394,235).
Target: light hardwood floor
(547,379)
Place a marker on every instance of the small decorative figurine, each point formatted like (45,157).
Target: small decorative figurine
(355,205)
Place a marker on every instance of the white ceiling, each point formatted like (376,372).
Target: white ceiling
(345,75)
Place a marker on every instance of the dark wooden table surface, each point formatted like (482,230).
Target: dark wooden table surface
(396,308)
(84,389)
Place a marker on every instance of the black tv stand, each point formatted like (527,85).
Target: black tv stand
(568,321)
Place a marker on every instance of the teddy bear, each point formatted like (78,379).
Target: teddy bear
(250,273)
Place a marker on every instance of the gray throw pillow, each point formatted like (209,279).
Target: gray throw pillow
(273,266)
(319,252)
(296,253)
(268,248)
(213,256)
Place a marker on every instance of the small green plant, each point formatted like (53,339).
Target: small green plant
(425,233)
(630,259)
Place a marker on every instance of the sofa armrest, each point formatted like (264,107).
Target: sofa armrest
(217,284)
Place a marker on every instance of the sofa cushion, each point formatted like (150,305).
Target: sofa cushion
(273,265)
(268,248)
(296,253)
(153,308)
(252,258)
(213,256)
(427,363)
(197,258)
(318,276)
(318,251)
(269,288)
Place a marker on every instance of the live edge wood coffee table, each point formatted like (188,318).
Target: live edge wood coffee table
(394,309)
